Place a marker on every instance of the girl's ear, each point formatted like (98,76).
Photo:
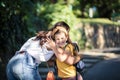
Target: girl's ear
(67,37)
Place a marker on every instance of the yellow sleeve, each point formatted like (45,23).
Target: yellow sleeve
(69,48)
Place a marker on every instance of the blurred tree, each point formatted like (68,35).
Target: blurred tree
(105,8)
(16,26)
(21,19)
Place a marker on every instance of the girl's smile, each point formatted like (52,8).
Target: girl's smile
(60,39)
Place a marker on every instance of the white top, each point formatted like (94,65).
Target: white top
(41,54)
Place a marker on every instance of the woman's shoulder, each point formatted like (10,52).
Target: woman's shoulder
(32,38)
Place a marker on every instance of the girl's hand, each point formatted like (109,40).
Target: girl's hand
(51,43)
(49,33)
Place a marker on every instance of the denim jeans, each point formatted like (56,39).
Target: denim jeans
(22,67)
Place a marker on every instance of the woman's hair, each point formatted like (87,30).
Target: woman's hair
(61,24)
(41,35)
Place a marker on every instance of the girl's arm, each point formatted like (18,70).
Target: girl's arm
(72,59)
(61,54)
(65,56)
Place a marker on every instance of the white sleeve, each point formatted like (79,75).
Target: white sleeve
(47,54)
(26,44)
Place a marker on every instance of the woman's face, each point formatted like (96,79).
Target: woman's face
(60,39)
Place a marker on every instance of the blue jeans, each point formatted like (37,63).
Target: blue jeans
(22,67)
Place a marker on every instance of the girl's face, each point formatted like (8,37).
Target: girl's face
(60,39)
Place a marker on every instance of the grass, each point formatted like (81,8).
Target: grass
(99,21)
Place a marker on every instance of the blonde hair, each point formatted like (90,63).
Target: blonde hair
(59,30)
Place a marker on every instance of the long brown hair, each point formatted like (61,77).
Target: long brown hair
(41,35)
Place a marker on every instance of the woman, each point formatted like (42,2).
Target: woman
(24,64)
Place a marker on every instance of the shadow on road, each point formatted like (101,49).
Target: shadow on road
(104,70)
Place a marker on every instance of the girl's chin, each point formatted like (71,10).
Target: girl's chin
(62,45)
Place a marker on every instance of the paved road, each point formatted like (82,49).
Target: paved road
(105,70)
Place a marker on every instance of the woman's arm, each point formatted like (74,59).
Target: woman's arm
(45,57)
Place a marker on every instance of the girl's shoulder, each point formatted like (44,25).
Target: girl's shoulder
(69,46)
(73,46)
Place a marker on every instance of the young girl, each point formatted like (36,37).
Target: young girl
(64,51)
(61,25)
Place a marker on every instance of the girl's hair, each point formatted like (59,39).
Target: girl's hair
(61,24)
(57,31)
(64,27)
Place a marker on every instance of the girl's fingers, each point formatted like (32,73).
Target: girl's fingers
(48,39)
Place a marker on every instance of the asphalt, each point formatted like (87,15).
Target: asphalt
(104,70)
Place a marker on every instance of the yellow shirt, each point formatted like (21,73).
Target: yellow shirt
(66,70)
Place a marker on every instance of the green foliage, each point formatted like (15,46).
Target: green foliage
(25,18)
(15,29)
(115,16)
(53,13)
(21,19)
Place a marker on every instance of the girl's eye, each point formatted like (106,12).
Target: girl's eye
(57,39)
